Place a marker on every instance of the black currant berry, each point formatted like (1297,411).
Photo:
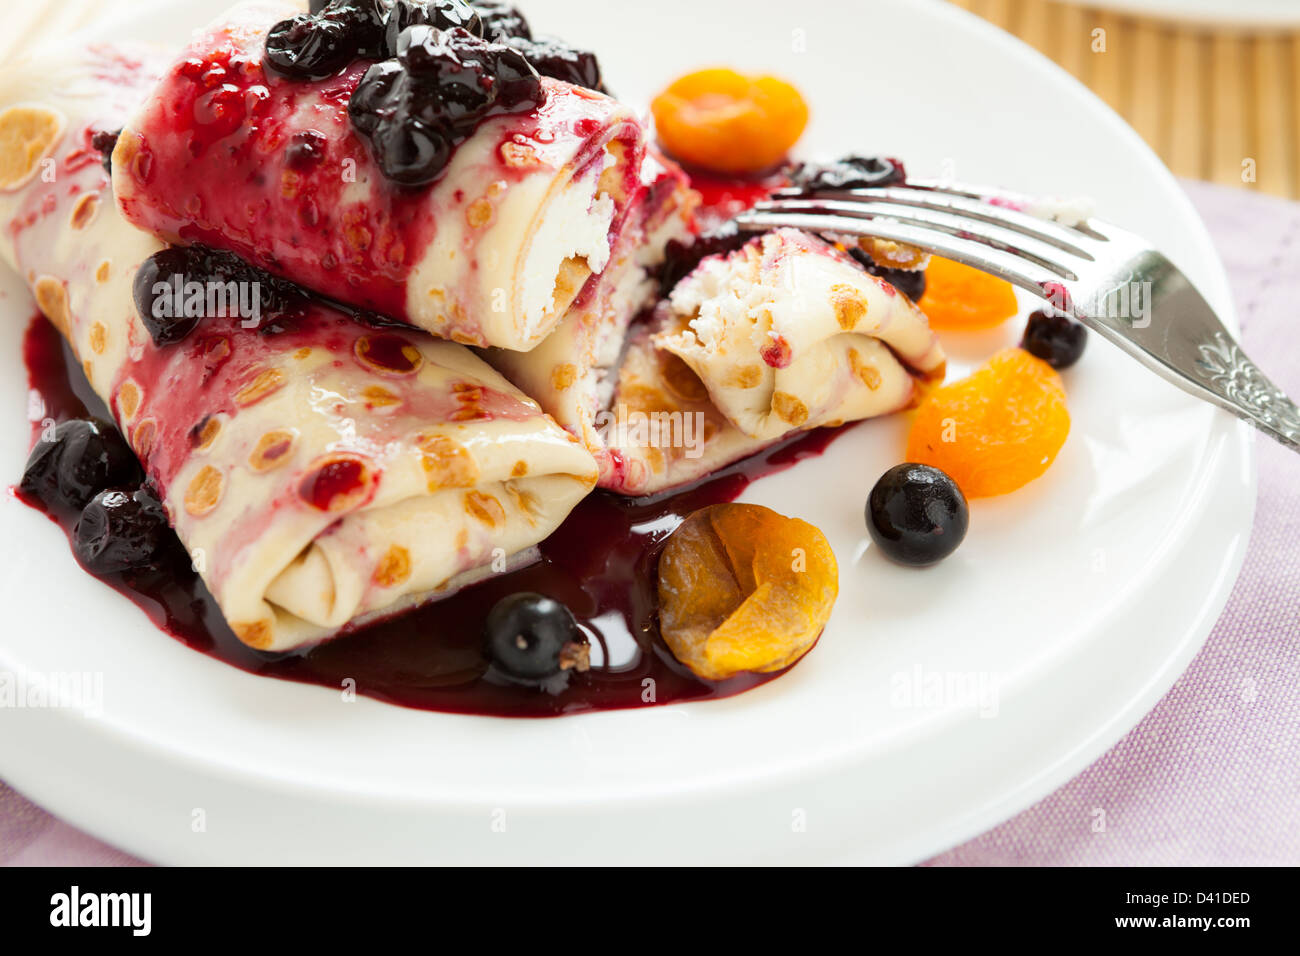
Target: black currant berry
(1055,338)
(531,637)
(851,172)
(502,20)
(309,47)
(554,58)
(910,282)
(120,531)
(916,515)
(444,15)
(79,459)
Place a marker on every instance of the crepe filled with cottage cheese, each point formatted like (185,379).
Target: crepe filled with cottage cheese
(787,332)
(781,335)
(321,472)
(573,372)
(229,153)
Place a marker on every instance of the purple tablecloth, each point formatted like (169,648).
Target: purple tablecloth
(1212,775)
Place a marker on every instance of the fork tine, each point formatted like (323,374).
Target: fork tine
(1072,232)
(1045,254)
(989,207)
(1013,268)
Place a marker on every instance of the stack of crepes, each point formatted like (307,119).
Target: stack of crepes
(335,470)
(540,245)
(321,474)
(227,153)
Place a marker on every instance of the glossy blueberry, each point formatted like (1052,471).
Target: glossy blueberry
(518,82)
(555,58)
(308,47)
(910,282)
(365,22)
(452,14)
(527,634)
(416,108)
(166,315)
(1055,338)
(502,20)
(410,154)
(120,531)
(319,43)
(157,308)
(916,515)
(442,15)
(79,459)
(851,172)
(377,97)
(449,74)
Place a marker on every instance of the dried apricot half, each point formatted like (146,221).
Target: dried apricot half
(729,122)
(742,588)
(996,430)
(958,297)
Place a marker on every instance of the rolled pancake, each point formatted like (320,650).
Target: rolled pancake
(492,253)
(321,472)
(788,332)
(665,431)
(572,373)
(784,334)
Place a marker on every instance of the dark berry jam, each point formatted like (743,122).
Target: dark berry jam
(177,287)
(721,199)
(681,258)
(416,108)
(333,482)
(313,46)
(502,20)
(555,58)
(441,14)
(601,564)
(440,68)
(910,282)
(104,141)
(850,172)
(76,459)
(305,151)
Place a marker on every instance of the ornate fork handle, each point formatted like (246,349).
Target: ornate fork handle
(1230,374)
(1184,340)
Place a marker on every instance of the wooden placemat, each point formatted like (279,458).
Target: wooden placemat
(1215,103)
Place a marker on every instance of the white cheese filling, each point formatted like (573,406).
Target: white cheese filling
(573,240)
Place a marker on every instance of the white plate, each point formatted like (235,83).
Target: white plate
(1078,599)
(1241,13)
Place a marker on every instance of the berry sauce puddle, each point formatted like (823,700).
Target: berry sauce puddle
(601,562)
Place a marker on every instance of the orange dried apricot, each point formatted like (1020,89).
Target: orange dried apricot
(960,298)
(742,588)
(996,430)
(729,122)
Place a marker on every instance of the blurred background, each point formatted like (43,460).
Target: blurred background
(1212,85)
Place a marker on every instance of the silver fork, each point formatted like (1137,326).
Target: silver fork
(1092,271)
